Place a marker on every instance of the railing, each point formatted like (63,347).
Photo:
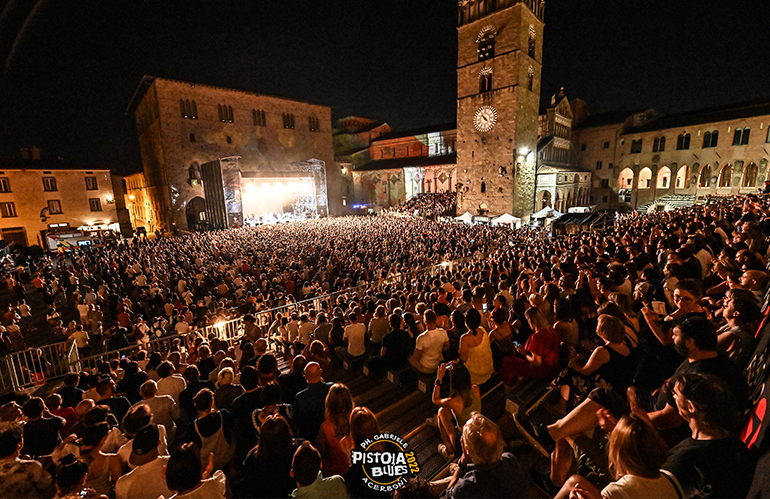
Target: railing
(20,372)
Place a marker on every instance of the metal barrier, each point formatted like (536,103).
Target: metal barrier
(23,370)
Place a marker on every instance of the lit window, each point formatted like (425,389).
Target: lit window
(49,184)
(485,43)
(95,204)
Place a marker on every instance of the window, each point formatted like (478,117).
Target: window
(768,135)
(288,120)
(5,184)
(49,184)
(314,124)
(606,145)
(683,141)
(229,139)
(659,144)
(532,41)
(7,210)
(192,137)
(259,117)
(710,139)
(725,177)
(605,183)
(605,199)
(225,113)
(530,78)
(95,203)
(741,137)
(91,184)
(583,147)
(54,207)
(636,146)
(485,43)
(483,187)
(189,109)
(485,80)
(598,165)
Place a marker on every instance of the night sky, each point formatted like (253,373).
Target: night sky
(69,69)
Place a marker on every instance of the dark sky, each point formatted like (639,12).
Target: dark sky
(70,68)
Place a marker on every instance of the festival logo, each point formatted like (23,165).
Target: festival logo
(385,461)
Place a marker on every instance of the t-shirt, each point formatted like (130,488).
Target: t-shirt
(144,482)
(503,479)
(41,436)
(636,487)
(356,336)
(720,366)
(432,345)
(20,478)
(711,468)
(213,488)
(396,344)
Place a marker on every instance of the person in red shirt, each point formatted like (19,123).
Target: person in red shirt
(539,358)
(53,403)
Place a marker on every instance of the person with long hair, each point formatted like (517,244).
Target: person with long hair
(336,425)
(363,426)
(266,471)
(476,349)
(454,410)
(636,454)
(501,336)
(103,469)
(539,358)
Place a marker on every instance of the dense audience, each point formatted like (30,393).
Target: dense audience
(428,205)
(642,332)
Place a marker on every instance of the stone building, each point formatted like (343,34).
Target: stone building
(561,183)
(38,194)
(646,161)
(499,61)
(251,146)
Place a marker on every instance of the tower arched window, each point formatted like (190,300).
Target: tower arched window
(485,43)
(221,114)
(532,41)
(531,78)
(485,80)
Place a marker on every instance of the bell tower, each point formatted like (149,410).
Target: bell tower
(499,61)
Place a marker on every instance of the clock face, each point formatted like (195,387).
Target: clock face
(485,118)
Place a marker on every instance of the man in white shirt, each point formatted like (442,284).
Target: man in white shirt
(147,480)
(170,383)
(305,330)
(355,335)
(429,346)
(164,409)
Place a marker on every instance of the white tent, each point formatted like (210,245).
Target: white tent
(507,218)
(465,217)
(547,212)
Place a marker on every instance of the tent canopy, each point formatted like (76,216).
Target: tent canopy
(547,212)
(465,217)
(506,218)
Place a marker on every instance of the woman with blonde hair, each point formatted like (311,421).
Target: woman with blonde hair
(539,358)
(636,453)
(339,405)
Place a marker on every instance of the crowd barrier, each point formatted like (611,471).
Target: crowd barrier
(25,371)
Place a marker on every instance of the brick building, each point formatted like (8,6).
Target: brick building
(252,147)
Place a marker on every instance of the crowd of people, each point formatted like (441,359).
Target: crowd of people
(429,205)
(644,333)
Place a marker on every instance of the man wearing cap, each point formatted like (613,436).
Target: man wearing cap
(146,480)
